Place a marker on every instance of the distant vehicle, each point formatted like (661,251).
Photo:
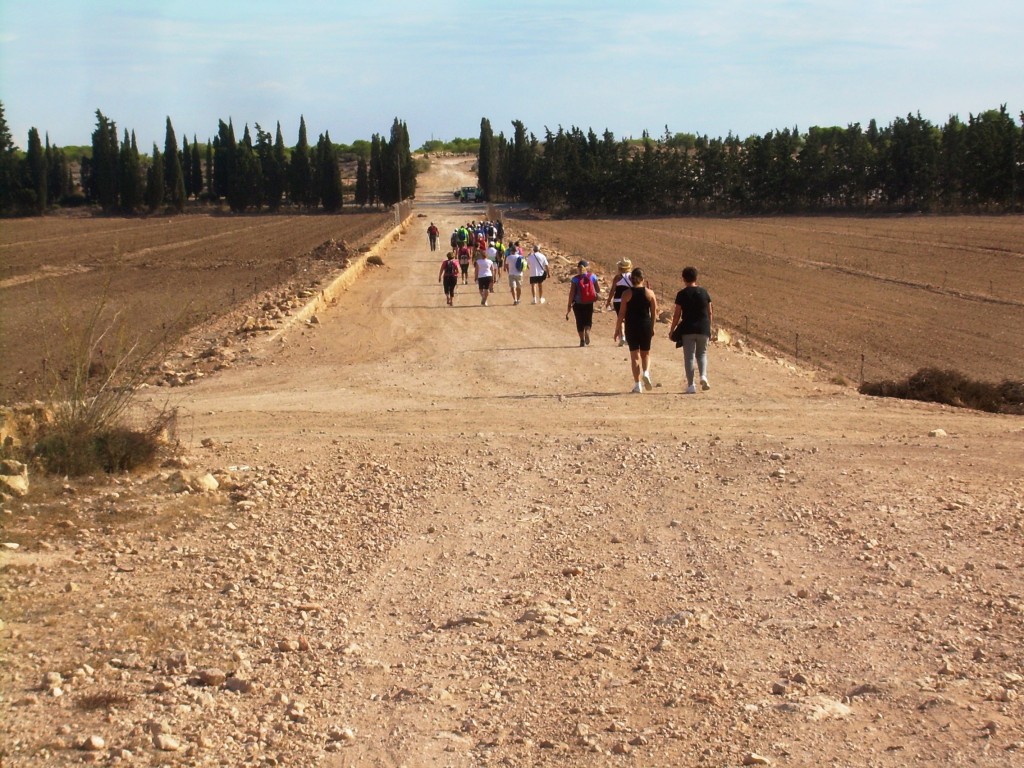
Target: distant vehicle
(470,195)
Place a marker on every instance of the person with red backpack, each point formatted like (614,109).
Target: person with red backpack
(449,276)
(432,233)
(583,292)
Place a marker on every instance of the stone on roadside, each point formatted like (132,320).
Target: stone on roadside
(93,743)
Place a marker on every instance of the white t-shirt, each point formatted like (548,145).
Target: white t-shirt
(484,267)
(510,262)
(538,263)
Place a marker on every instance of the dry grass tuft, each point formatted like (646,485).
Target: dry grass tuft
(934,385)
(103,700)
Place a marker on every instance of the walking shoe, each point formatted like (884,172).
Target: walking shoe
(637,389)
(648,384)
(543,300)
(582,343)
(534,300)
(586,337)
(690,390)
(704,385)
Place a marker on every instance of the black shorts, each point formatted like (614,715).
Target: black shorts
(536,280)
(584,316)
(485,283)
(449,285)
(464,268)
(639,337)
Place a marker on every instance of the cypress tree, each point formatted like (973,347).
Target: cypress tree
(224,158)
(186,165)
(130,167)
(58,173)
(301,170)
(35,166)
(277,172)
(376,172)
(197,169)
(155,188)
(8,164)
(209,168)
(329,174)
(103,176)
(362,196)
(173,176)
(246,182)
(486,173)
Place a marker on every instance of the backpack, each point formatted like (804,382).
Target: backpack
(520,263)
(451,268)
(587,291)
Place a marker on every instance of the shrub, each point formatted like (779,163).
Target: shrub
(952,388)
(96,423)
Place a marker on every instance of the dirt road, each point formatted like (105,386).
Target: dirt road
(459,541)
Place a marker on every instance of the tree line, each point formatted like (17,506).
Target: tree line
(909,165)
(248,173)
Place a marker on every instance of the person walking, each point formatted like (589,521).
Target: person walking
(483,272)
(538,264)
(432,233)
(695,315)
(449,276)
(620,284)
(464,262)
(583,292)
(635,323)
(515,263)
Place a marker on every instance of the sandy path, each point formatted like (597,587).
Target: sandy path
(499,557)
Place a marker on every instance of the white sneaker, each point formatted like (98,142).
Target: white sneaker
(543,300)
(704,385)
(648,384)
(690,390)
(534,300)
(637,389)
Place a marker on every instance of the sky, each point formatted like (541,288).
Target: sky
(709,67)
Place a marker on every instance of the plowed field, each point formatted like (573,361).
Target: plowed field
(160,272)
(901,292)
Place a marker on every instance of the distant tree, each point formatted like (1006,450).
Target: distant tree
(8,165)
(397,169)
(300,172)
(35,171)
(274,166)
(376,170)
(362,192)
(210,168)
(130,171)
(173,173)
(224,154)
(58,174)
(953,163)
(103,177)
(989,155)
(197,169)
(328,174)
(487,172)
(186,165)
(155,187)
(246,190)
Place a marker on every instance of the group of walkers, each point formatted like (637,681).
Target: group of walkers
(482,246)
(636,309)
(634,303)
